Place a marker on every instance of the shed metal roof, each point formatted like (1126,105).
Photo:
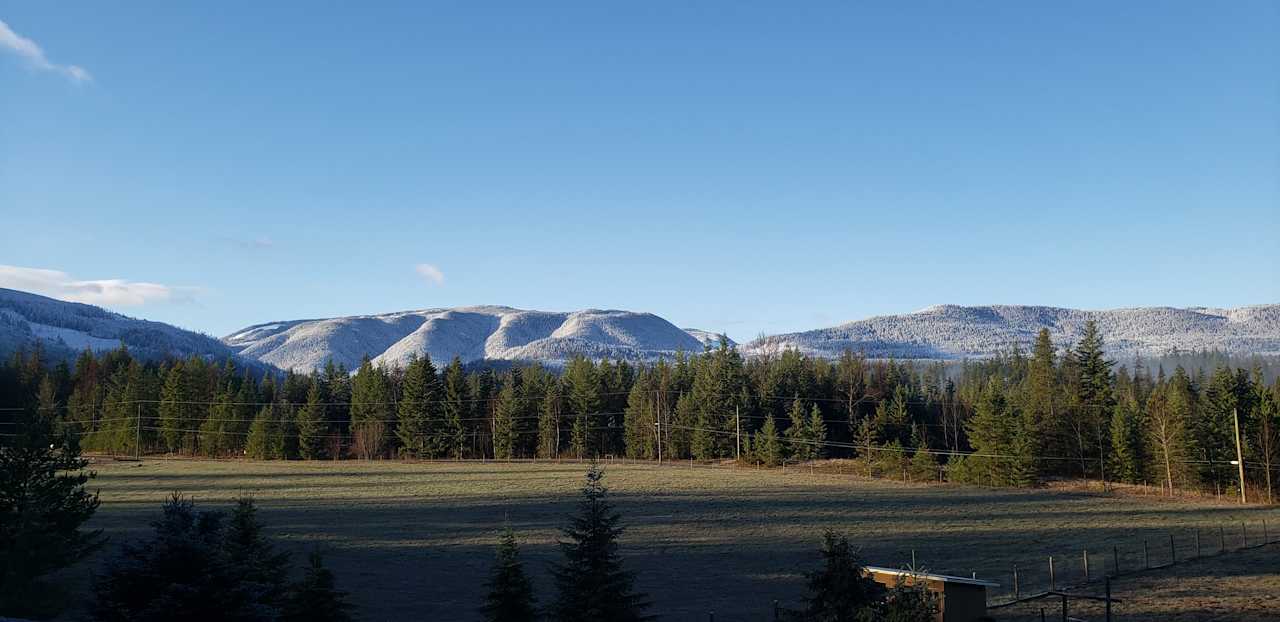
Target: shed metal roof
(933,577)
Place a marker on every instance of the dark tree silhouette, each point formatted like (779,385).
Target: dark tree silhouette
(317,598)
(510,597)
(841,590)
(181,573)
(591,583)
(43,505)
(252,554)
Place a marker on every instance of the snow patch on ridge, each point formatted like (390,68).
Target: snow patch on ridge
(470,333)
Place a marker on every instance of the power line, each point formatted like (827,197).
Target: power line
(446,401)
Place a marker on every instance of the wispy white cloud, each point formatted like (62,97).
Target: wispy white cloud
(28,50)
(430,273)
(258,243)
(109,292)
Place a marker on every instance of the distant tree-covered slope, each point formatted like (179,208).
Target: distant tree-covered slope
(67,328)
(951,332)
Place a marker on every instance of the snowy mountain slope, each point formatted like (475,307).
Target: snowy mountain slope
(709,338)
(951,332)
(67,328)
(471,333)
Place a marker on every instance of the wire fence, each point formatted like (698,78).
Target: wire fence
(1085,567)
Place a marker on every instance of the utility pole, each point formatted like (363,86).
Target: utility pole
(737,423)
(1102,459)
(657,422)
(137,435)
(1235,416)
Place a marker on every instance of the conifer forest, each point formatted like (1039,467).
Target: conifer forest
(1057,411)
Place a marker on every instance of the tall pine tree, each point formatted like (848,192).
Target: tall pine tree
(313,429)
(421,416)
(591,584)
(505,416)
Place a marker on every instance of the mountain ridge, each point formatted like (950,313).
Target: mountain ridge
(473,333)
(956,332)
(64,329)
(499,333)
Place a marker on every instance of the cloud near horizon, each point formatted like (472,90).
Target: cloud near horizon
(29,50)
(109,292)
(430,273)
(258,243)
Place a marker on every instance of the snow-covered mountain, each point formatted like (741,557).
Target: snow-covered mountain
(471,333)
(67,328)
(709,338)
(953,332)
(494,333)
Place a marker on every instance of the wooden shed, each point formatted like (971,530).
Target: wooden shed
(960,599)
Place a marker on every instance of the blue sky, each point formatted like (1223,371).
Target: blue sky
(740,167)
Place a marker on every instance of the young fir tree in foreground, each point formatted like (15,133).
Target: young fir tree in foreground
(909,603)
(182,573)
(316,598)
(253,554)
(591,583)
(510,597)
(843,591)
(200,566)
(43,504)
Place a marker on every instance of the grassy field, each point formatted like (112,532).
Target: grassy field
(1239,587)
(414,540)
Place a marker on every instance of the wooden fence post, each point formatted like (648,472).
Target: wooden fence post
(1086,565)
(1108,618)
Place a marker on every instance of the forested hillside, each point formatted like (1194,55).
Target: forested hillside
(956,332)
(1012,420)
(63,329)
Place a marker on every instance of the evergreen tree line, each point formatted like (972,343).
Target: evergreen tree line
(1060,410)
